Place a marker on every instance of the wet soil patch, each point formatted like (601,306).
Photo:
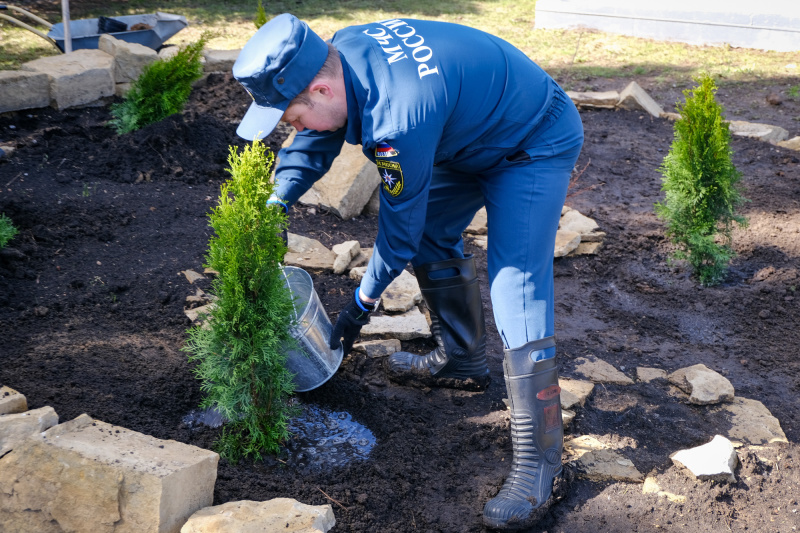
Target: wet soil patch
(92,312)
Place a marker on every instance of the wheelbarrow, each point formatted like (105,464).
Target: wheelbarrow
(150,30)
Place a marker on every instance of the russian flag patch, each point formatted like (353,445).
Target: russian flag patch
(384,150)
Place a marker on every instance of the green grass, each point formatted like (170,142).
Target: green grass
(569,55)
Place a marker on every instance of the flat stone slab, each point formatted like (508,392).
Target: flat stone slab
(12,401)
(345,253)
(566,242)
(23,90)
(279,514)
(704,386)
(308,253)
(602,100)
(16,428)
(714,461)
(409,325)
(378,348)
(762,132)
(402,294)
(753,423)
(595,461)
(87,475)
(599,371)
(78,78)
(574,392)
(647,374)
(219,60)
(633,97)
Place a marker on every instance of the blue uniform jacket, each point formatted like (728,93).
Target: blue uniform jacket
(420,94)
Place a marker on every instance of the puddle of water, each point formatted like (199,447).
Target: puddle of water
(319,438)
(322,438)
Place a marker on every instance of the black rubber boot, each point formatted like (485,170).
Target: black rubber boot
(537,435)
(457,324)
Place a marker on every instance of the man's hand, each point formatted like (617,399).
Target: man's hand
(348,325)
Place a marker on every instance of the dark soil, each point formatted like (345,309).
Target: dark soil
(92,313)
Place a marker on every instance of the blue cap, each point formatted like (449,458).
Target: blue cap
(275,65)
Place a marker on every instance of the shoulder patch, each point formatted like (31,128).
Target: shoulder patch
(384,150)
(391,175)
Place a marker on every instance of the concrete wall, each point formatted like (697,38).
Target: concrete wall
(768,24)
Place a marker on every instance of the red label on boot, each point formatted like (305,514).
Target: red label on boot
(552,418)
(549,393)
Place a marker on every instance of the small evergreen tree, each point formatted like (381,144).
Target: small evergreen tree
(161,90)
(261,15)
(241,350)
(7,230)
(701,185)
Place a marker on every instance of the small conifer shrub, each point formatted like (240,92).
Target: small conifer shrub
(241,350)
(261,15)
(7,230)
(701,185)
(161,90)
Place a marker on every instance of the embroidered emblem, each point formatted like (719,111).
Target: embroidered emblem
(384,150)
(392,176)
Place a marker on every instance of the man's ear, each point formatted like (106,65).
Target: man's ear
(321,88)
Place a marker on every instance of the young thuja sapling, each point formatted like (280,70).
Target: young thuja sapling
(7,230)
(161,90)
(701,185)
(241,349)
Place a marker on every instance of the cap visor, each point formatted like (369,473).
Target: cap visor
(259,122)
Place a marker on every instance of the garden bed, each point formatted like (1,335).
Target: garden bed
(92,302)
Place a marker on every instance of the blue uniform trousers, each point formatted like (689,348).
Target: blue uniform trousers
(523,202)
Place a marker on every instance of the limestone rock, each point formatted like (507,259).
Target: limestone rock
(12,401)
(402,294)
(752,423)
(600,372)
(77,78)
(279,514)
(634,97)
(16,428)
(763,132)
(357,273)
(168,52)
(378,348)
(373,206)
(650,486)
(349,184)
(308,253)
(193,276)
(586,248)
(409,325)
(574,392)
(791,144)
(478,226)
(704,385)
(87,475)
(713,461)
(345,253)
(361,259)
(219,60)
(566,242)
(672,117)
(567,417)
(575,221)
(130,59)
(604,100)
(23,90)
(595,461)
(201,312)
(649,374)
